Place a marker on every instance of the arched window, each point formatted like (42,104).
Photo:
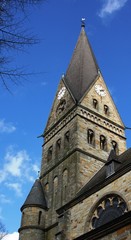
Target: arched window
(95,103)
(106,110)
(58,146)
(39,217)
(90,137)
(49,154)
(55,189)
(64,185)
(108,208)
(115,146)
(67,136)
(103,143)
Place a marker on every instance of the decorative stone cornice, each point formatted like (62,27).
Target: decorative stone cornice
(90,116)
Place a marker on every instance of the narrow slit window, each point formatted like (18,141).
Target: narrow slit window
(50,151)
(39,217)
(90,136)
(67,136)
(95,103)
(106,110)
(58,143)
(115,146)
(103,143)
(66,141)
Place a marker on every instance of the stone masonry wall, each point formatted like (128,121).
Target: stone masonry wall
(82,212)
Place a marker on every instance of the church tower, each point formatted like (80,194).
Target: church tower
(82,129)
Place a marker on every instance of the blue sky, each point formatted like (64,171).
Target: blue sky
(24,113)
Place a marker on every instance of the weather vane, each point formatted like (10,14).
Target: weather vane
(83,22)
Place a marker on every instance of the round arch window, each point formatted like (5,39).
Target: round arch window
(108,208)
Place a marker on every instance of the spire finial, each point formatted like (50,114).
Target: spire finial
(83,22)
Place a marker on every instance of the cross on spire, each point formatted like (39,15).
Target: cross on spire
(83,22)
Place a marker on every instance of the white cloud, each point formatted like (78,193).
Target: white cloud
(111,6)
(4,199)
(17,187)
(17,170)
(35,168)
(6,127)
(12,236)
(14,163)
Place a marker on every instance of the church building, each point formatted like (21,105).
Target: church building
(84,189)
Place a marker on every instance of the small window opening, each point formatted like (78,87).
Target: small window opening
(95,103)
(103,143)
(106,109)
(58,144)
(61,106)
(90,136)
(50,150)
(64,183)
(110,169)
(115,146)
(39,217)
(55,183)
(67,136)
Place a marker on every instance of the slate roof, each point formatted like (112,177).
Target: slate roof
(120,162)
(36,197)
(83,68)
(100,179)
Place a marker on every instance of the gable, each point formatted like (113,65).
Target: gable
(63,102)
(98,91)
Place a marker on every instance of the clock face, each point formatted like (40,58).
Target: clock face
(100,90)
(61,93)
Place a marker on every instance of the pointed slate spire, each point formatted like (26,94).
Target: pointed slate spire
(36,197)
(83,68)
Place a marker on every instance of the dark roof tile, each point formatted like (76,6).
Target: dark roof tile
(36,197)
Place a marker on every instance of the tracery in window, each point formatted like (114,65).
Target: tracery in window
(109,208)
(90,137)
(103,143)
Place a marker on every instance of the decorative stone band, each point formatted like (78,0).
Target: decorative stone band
(87,114)
(101,121)
(31,227)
